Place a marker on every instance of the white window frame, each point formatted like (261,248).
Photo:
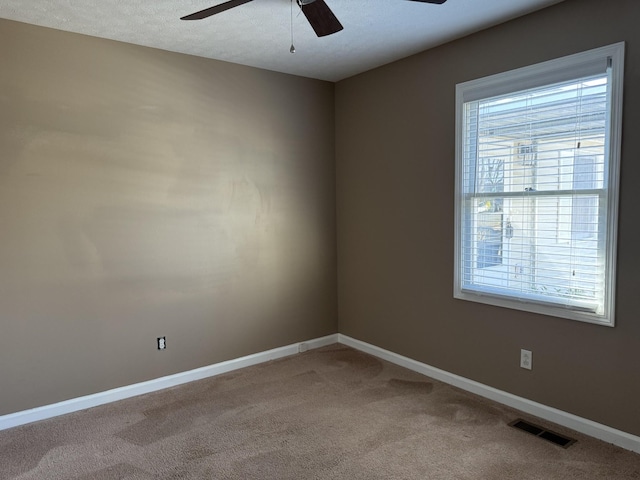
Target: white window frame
(548,73)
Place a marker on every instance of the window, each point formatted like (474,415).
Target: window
(537,167)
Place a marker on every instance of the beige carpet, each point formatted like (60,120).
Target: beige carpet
(332,413)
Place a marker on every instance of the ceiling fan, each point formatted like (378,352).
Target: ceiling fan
(319,15)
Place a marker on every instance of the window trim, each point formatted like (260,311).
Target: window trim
(546,73)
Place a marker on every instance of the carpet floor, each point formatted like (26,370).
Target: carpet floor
(330,413)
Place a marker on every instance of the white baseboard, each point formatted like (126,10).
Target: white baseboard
(583,425)
(88,401)
(579,424)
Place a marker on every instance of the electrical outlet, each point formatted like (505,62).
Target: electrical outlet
(162,343)
(526,359)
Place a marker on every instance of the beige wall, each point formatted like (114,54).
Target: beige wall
(395,180)
(145,193)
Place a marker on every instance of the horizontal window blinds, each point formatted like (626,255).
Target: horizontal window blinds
(534,194)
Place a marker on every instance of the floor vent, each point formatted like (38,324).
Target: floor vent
(538,431)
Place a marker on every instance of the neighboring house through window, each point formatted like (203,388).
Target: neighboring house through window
(537,167)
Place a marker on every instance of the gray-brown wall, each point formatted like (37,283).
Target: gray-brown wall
(145,193)
(395,190)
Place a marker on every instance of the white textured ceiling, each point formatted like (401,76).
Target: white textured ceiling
(258,33)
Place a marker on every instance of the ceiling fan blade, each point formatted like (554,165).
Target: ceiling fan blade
(321,18)
(207,12)
(437,2)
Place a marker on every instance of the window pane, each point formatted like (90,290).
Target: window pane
(530,247)
(534,138)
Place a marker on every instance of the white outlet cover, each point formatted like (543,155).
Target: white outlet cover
(526,359)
